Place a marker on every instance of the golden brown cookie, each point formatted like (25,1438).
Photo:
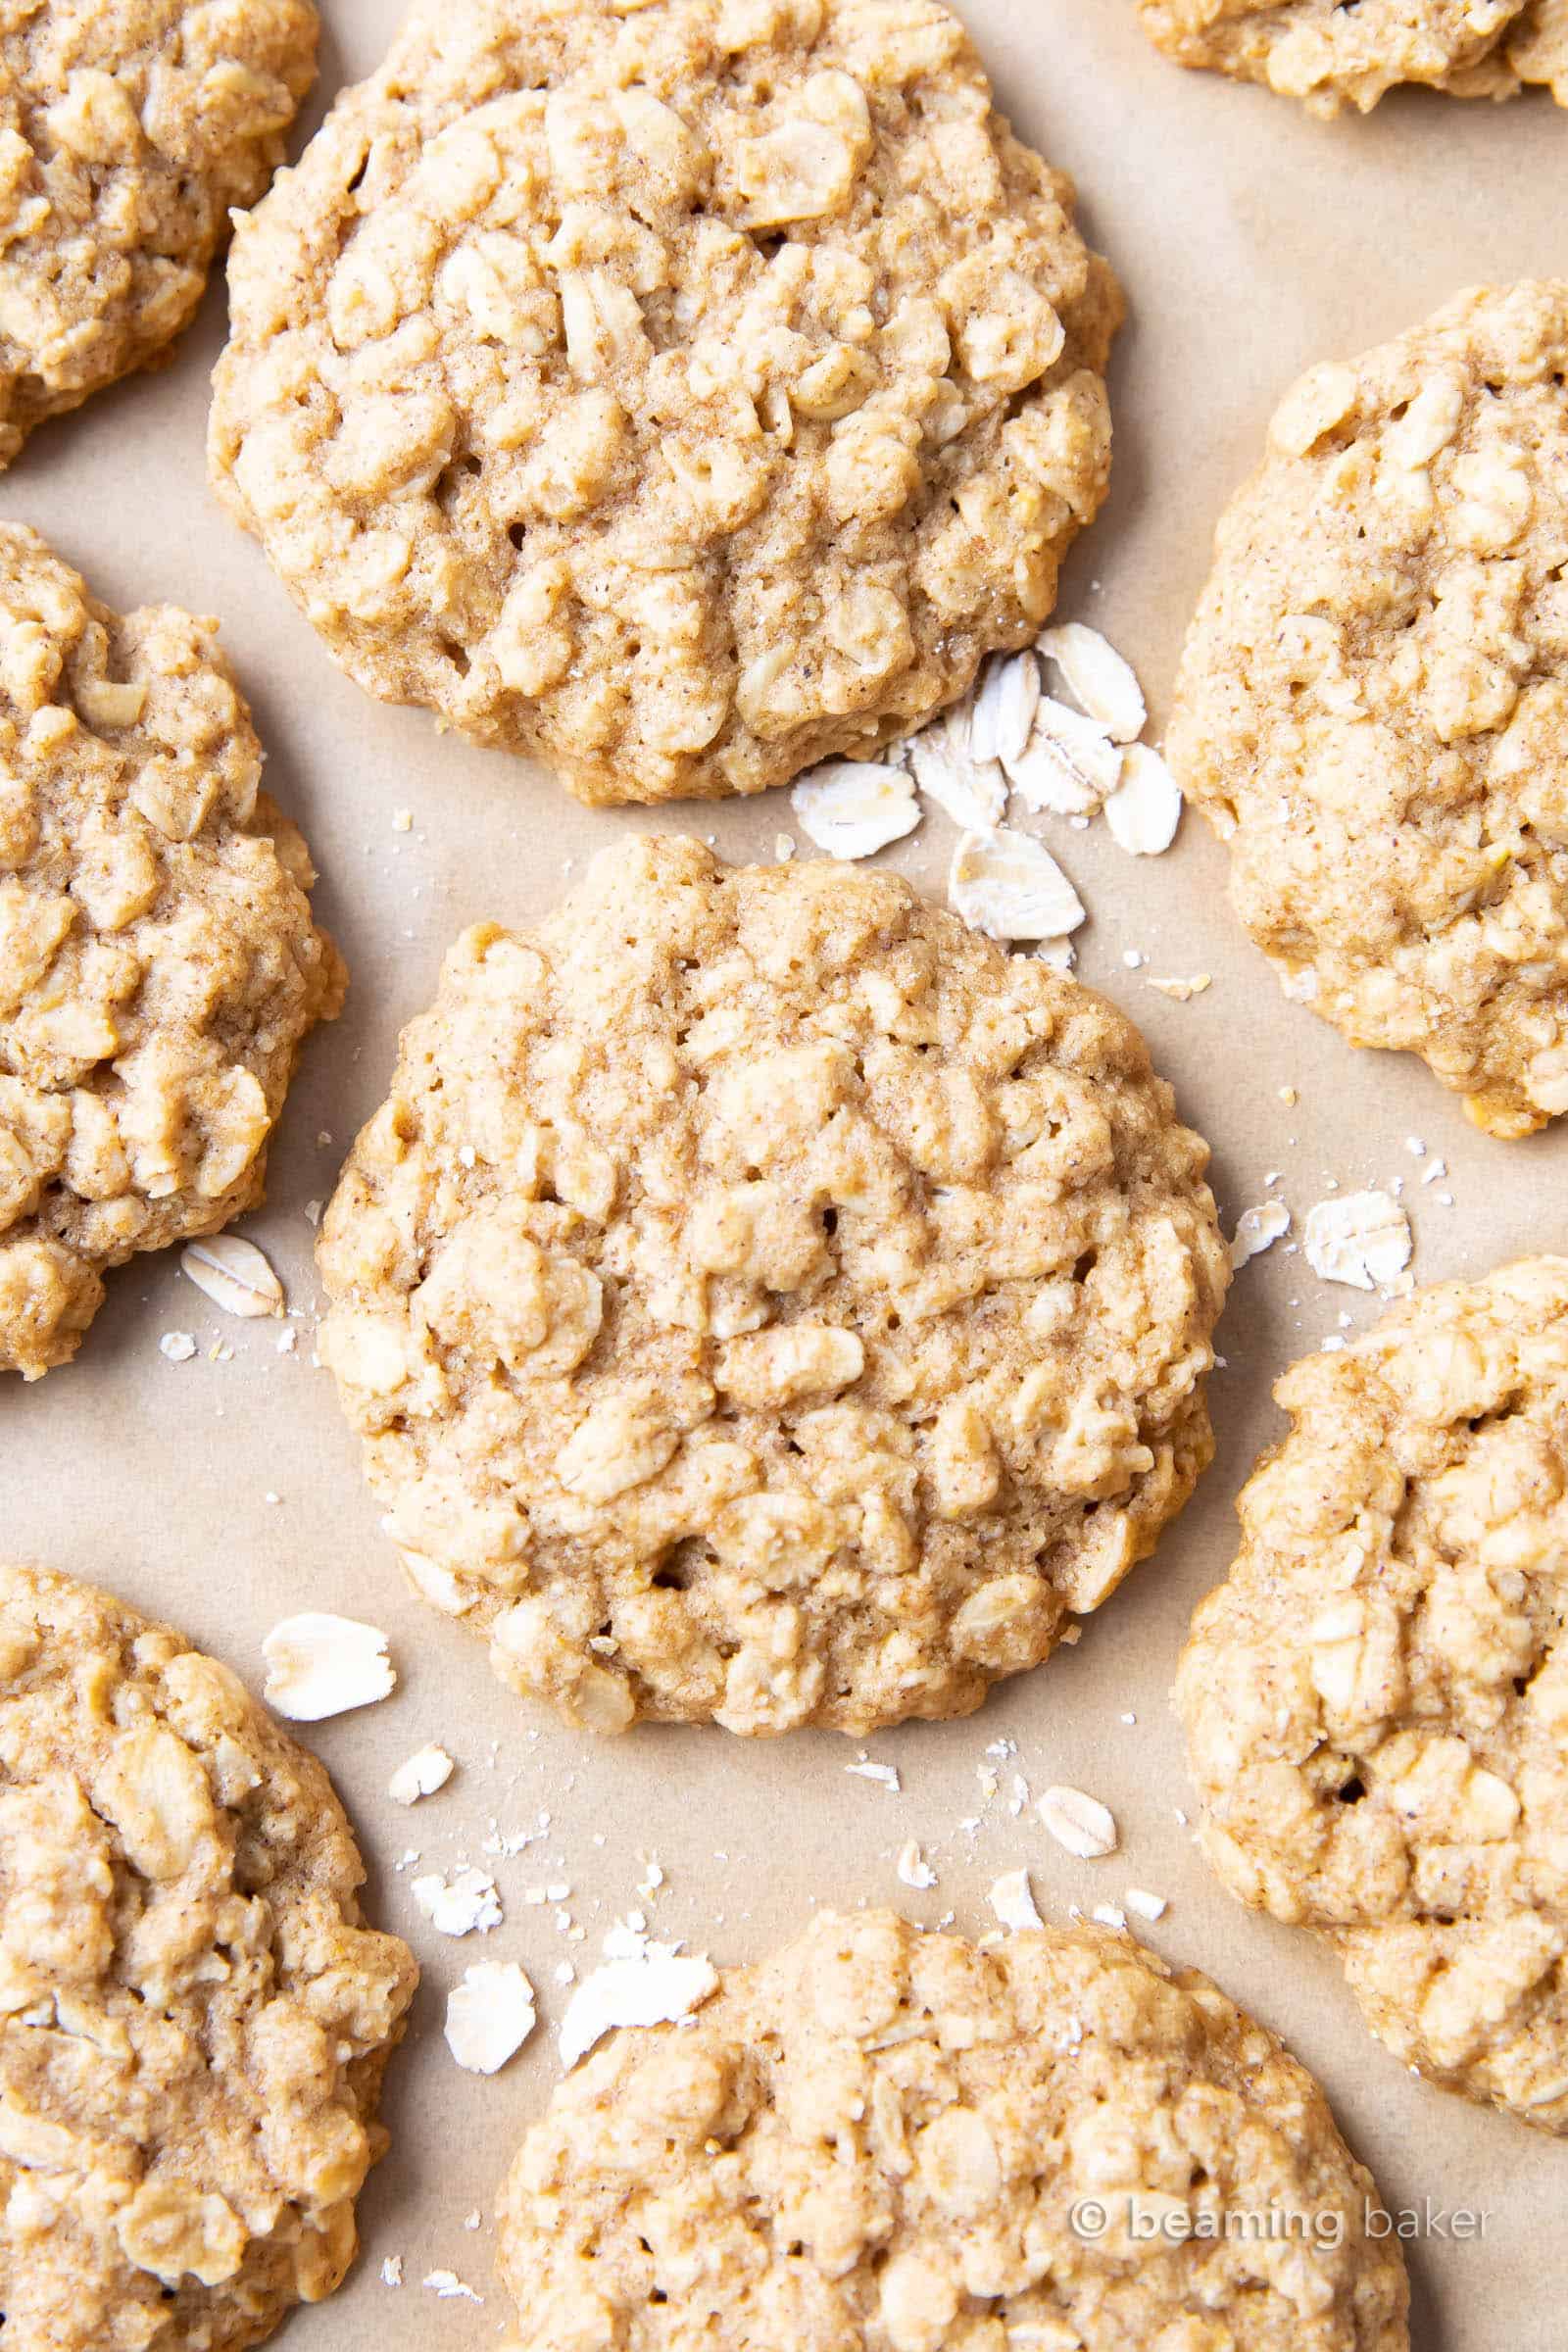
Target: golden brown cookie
(886,2141)
(1330,54)
(127,129)
(682,393)
(1372,707)
(158,966)
(193,2019)
(762,1299)
(1375,1699)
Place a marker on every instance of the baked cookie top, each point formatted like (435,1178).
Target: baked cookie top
(882,2141)
(193,2020)
(762,1299)
(127,128)
(682,393)
(1330,55)
(158,962)
(1373,700)
(1375,1699)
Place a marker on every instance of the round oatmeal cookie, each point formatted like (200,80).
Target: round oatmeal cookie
(762,1299)
(1331,55)
(1373,700)
(127,129)
(682,393)
(1375,1700)
(158,966)
(193,2020)
(888,2141)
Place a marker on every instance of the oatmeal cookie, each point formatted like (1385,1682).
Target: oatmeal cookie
(762,1299)
(1375,1700)
(1373,700)
(682,393)
(127,129)
(158,962)
(193,2021)
(1330,55)
(879,2141)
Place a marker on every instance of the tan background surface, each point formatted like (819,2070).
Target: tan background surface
(1251,241)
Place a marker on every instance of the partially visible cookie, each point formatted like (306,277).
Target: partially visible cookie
(1372,707)
(888,2141)
(683,393)
(158,966)
(1330,55)
(193,2019)
(1375,1699)
(1536,47)
(762,1299)
(127,129)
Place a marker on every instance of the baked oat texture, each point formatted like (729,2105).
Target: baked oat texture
(762,1299)
(876,2140)
(127,129)
(1331,55)
(682,392)
(1373,702)
(193,2020)
(158,963)
(1376,1701)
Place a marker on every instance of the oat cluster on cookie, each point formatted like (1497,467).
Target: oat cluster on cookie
(683,394)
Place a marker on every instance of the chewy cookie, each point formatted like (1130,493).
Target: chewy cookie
(127,129)
(682,393)
(1375,1699)
(193,2020)
(158,966)
(1330,54)
(1373,702)
(879,2141)
(762,1299)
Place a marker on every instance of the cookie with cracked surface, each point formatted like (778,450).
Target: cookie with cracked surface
(158,966)
(193,2017)
(761,1298)
(1372,707)
(127,129)
(1376,1701)
(1331,56)
(880,2140)
(682,394)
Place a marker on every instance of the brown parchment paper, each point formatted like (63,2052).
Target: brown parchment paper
(223,1494)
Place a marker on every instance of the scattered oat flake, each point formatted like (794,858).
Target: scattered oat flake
(421,1775)
(177,1346)
(320,1665)
(403,820)
(1259,1229)
(1146,808)
(392,2271)
(1147,1906)
(1003,710)
(313,1212)
(1110,1915)
(1013,1902)
(853,807)
(638,1983)
(465,1904)
(1007,885)
(1182,991)
(233,1274)
(1097,677)
(1362,1239)
(490,2015)
(1059,953)
(972,792)
(1078,1822)
(1068,766)
(783,847)
(448,2286)
(887,1773)
(913,1868)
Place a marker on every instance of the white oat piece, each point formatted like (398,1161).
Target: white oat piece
(818,1319)
(686,394)
(1361,1239)
(194,2018)
(1375,1699)
(490,2015)
(1078,1822)
(879,2138)
(158,966)
(129,129)
(320,1665)
(639,1983)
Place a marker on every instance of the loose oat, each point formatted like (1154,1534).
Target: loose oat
(465,1904)
(1069,765)
(1012,1901)
(1146,808)
(639,1983)
(1362,1239)
(1080,1823)
(233,1274)
(490,2015)
(1099,680)
(420,1775)
(854,807)
(320,1665)
(1008,885)
(1259,1229)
